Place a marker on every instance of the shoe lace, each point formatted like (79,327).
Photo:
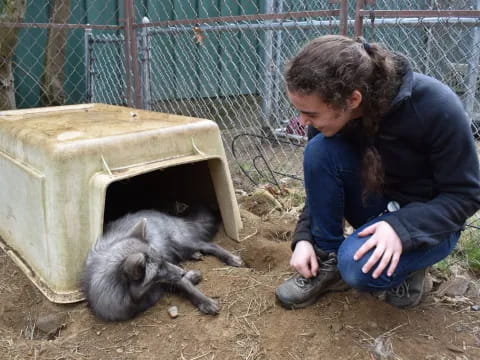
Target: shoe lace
(328,265)
(402,290)
(302,281)
(324,265)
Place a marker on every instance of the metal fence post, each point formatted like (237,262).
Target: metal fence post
(131,56)
(268,68)
(277,54)
(145,66)
(88,40)
(343,17)
(358,19)
(472,71)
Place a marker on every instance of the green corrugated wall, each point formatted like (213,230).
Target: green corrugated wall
(227,64)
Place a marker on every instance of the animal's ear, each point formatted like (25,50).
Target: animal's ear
(138,231)
(134,266)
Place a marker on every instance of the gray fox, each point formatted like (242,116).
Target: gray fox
(135,261)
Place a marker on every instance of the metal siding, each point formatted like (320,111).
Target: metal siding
(28,62)
(162,53)
(105,12)
(229,60)
(75,91)
(248,52)
(186,53)
(208,60)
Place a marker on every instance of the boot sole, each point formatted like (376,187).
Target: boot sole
(337,287)
(417,301)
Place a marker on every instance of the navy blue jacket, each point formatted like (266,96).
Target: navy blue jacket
(430,161)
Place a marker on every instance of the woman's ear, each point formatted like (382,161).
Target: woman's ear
(354,100)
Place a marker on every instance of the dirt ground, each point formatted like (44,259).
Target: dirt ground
(251,324)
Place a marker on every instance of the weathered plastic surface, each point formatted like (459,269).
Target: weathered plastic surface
(56,164)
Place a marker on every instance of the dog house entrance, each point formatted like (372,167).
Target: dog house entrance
(161,190)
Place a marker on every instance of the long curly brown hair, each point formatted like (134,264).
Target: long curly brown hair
(333,66)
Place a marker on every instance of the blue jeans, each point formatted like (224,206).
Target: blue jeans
(334,192)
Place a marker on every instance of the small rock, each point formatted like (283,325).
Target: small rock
(428,286)
(119,350)
(454,287)
(240,192)
(336,327)
(372,324)
(454,348)
(50,324)
(173,312)
(473,290)
(260,202)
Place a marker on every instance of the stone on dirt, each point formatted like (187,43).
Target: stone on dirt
(173,312)
(261,202)
(50,324)
(456,286)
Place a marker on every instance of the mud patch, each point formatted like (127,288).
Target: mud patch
(251,324)
(263,254)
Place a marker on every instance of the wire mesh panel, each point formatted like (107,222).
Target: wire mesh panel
(48,62)
(221,60)
(444,47)
(229,68)
(105,56)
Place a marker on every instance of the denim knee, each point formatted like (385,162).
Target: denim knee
(333,153)
(350,269)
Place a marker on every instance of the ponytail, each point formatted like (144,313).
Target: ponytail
(377,103)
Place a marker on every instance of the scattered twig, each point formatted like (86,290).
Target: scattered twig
(249,236)
(201,356)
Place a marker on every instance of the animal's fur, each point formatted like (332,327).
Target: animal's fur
(135,261)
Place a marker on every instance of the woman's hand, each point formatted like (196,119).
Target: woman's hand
(388,248)
(304,259)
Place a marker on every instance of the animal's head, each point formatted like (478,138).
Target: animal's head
(120,272)
(139,268)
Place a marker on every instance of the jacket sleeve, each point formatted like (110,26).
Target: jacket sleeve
(302,229)
(455,169)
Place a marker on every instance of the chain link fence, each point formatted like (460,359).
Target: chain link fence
(443,42)
(221,60)
(42,55)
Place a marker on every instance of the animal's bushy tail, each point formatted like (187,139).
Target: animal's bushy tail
(205,219)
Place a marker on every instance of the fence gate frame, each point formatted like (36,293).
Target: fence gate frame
(137,47)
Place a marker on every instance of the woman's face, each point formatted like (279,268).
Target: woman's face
(322,116)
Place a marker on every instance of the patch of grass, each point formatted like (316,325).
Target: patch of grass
(469,247)
(298,198)
(467,252)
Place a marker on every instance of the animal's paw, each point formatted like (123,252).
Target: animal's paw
(197,255)
(194,276)
(209,307)
(236,261)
